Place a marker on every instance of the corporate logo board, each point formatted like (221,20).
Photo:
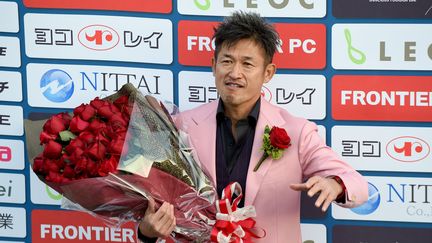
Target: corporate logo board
(270,8)
(382,98)
(144,40)
(10,54)
(405,149)
(382,8)
(11,154)
(382,46)
(13,222)
(351,233)
(12,188)
(9,14)
(68,86)
(40,193)
(302,46)
(56,226)
(301,95)
(153,6)
(10,86)
(399,199)
(11,120)
(313,233)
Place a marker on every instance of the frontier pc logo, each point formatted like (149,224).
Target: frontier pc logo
(372,203)
(57,85)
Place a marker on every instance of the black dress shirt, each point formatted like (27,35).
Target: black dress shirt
(233,155)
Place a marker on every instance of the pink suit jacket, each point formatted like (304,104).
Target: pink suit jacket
(277,206)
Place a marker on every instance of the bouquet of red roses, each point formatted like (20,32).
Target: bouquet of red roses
(114,154)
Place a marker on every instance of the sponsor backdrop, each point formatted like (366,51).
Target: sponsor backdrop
(361,69)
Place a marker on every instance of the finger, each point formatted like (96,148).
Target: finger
(162,211)
(316,188)
(150,207)
(169,221)
(299,187)
(322,197)
(327,204)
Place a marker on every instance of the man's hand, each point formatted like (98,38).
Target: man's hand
(158,223)
(327,188)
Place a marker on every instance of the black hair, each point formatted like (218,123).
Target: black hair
(241,25)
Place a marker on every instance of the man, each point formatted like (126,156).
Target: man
(227,135)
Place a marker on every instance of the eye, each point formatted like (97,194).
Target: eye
(248,64)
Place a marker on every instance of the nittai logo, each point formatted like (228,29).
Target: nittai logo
(98,37)
(266,93)
(57,85)
(408,149)
(372,203)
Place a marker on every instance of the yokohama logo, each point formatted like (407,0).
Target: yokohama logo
(382,98)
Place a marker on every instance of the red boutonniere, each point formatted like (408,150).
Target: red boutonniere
(275,140)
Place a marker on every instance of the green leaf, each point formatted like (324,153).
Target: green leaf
(66,135)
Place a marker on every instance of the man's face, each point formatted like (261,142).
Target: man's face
(240,71)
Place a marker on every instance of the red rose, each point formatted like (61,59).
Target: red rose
(44,137)
(107,110)
(97,151)
(38,164)
(52,150)
(279,138)
(54,177)
(54,125)
(87,113)
(78,125)
(73,145)
(86,137)
(117,119)
(97,125)
(96,103)
(78,110)
(116,146)
(65,117)
(109,165)
(68,172)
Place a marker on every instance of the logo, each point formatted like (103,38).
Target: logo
(270,8)
(98,37)
(266,93)
(57,85)
(382,98)
(5,154)
(301,45)
(152,6)
(56,226)
(352,52)
(371,204)
(408,149)
(53,195)
(381,46)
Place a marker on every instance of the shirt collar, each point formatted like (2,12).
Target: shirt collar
(252,117)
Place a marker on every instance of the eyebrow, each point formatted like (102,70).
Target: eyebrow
(243,58)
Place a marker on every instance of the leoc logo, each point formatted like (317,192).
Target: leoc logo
(372,203)
(408,149)
(57,85)
(98,37)
(266,93)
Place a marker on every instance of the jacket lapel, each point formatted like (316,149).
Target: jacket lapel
(268,116)
(204,138)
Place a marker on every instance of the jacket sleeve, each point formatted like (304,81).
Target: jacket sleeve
(317,158)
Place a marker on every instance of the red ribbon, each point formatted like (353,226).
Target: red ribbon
(233,224)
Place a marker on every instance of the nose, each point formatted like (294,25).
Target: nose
(236,71)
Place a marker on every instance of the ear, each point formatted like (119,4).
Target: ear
(269,71)
(213,66)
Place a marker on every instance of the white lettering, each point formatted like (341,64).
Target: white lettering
(203,42)
(87,233)
(386,98)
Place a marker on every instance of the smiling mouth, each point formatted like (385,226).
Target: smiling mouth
(233,84)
